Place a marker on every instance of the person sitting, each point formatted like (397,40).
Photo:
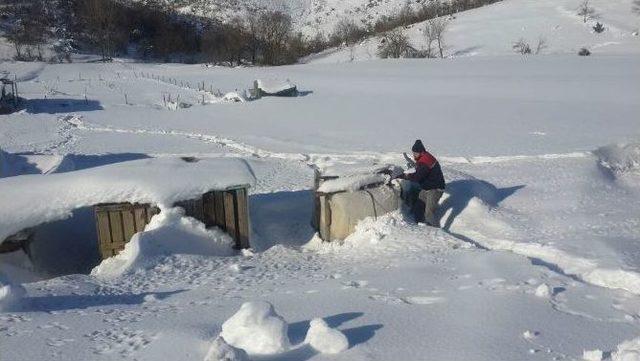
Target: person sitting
(425,186)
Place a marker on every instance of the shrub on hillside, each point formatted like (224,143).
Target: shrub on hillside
(584,52)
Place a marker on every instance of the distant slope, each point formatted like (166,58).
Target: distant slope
(492,30)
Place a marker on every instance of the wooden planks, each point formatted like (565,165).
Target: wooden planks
(229,210)
(116,223)
(242,211)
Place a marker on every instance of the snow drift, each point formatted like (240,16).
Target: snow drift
(168,233)
(477,223)
(257,329)
(10,295)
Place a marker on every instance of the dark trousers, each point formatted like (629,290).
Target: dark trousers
(423,203)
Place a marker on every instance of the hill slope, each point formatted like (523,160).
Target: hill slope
(492,30)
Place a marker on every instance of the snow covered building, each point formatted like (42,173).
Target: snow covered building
(123,197)
(274,88)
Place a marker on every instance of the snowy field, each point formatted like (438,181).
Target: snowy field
(538,257)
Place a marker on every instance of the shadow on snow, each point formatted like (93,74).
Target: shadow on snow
(53,106)
(71,302)
(281,218)
(462,191)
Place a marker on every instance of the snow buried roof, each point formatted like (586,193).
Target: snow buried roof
(351,177)
(29,200)
(273,86)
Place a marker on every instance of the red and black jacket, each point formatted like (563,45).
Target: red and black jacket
(428,172)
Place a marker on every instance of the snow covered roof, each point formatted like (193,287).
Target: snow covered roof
(29,200)
(343,170)
(274,86)
(353,177)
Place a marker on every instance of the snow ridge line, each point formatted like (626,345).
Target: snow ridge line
(314,158)
(225,142)
(509,158)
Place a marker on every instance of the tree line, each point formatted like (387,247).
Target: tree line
(152,30)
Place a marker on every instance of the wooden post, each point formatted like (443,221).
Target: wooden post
(230,215)
(242,218)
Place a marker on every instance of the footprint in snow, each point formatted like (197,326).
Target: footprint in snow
(355,284)
(59,342)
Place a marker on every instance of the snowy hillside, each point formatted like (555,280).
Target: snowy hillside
(493,29)
(310,16)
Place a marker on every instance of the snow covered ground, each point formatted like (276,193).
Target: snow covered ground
(537,258)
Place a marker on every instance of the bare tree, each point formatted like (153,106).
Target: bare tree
(542,44)
(522,47)
(394,44)
(434,34)
(586,11)
(100,19)
(347,32)
(274,32)
(253,38)
(30,29)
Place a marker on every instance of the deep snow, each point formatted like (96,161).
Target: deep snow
(537,257)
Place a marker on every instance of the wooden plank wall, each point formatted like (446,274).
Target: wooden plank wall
(228,210)
(116,223)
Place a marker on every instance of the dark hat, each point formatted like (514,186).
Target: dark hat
(418,147)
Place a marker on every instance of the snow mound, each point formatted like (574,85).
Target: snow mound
(620,159)
(543,291)
(168,233)
(324,338)
(257,329)
(592,355)
(627,351)
(233,97)
(220,350)
(10,296)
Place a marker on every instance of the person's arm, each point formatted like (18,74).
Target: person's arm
(421,173)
